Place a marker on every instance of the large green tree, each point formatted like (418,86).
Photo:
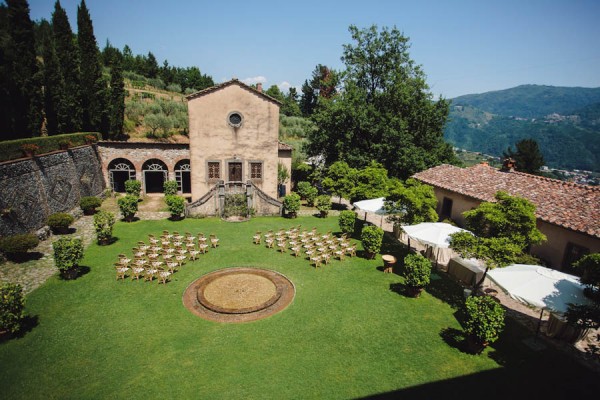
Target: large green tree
(340,179)
(21,97)
(385,111)
(67,54)
(93,85)
(411,203)
(323,83)
(527,156)
(117,97)
(508,217)
(504,230)
(55,109)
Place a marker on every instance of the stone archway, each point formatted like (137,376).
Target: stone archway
(154,173)
(119,171)
(183,176)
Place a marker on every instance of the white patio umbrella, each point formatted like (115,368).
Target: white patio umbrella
(434,234)
(540,287)
(372,205)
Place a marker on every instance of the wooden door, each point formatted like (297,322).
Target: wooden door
(235,172)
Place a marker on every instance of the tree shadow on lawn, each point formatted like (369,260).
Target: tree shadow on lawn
(445,289)
(74,273)
(27,324)
(20,258)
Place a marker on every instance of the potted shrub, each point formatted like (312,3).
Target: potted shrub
(128,205)
(68,251)
(103,223)
(372,238)
(29,149)
(311,196)
(346,221)
(416,273)
(176,206)
(583,317)
(291,204)
(323,205)
(170,188)
(15,247)
(133,187)
(60,222)
(302,188)
(89,204)
(484,321)
(12,305)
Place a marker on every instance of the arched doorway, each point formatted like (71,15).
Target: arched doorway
(183,176)
(155,175)
(119,171)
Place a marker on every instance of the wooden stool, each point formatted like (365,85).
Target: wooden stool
(388,263)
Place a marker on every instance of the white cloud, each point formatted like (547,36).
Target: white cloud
(284,86)
(254,80)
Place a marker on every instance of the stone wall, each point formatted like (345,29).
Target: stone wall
(32,189)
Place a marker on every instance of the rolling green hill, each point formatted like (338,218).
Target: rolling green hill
(564,121)
(531,101)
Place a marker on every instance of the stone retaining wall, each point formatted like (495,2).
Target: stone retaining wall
(34,188)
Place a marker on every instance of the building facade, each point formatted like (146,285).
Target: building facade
(234,137)
(567,213)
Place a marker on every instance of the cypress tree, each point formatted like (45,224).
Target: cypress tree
(5,101)
(93,87)
(24,82)
(54,88)
(68,58)
(117,97)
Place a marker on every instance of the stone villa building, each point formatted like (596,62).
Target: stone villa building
(567,213)
(233,142)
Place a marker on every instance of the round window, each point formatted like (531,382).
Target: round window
(235,119)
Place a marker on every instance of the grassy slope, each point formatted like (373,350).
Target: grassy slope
(346,335)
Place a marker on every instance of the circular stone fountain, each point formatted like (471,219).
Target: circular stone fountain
(238,294)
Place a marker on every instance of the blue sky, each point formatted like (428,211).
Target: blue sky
(464,46)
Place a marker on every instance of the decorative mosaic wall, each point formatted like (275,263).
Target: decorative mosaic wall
(32,189)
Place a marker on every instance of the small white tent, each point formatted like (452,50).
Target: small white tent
(435,235)
(371,205)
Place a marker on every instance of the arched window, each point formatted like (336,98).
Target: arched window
(119,171)
(155,175)
(183,176)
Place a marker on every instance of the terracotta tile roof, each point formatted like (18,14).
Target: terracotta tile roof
(569,205)
(283,146)
(229,83)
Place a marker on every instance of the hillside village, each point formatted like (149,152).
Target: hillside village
(225,239)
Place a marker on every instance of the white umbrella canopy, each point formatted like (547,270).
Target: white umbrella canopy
(435,234)
(538,286)
(372,205)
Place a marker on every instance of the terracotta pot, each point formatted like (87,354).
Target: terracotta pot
(414,291)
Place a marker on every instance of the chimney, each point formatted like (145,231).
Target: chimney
(259,86)
(508,165)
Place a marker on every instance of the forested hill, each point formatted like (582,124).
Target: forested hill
(531,101)
(564,121)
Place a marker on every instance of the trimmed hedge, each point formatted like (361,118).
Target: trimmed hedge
(11,149)
(18,244)
(60,221)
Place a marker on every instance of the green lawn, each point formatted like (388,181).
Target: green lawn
(349,333)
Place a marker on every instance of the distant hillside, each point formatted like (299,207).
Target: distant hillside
(564,121)
(531,101)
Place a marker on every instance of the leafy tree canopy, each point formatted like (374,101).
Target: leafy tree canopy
(340,179)
(385,111)
(411,203)
(509,217)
